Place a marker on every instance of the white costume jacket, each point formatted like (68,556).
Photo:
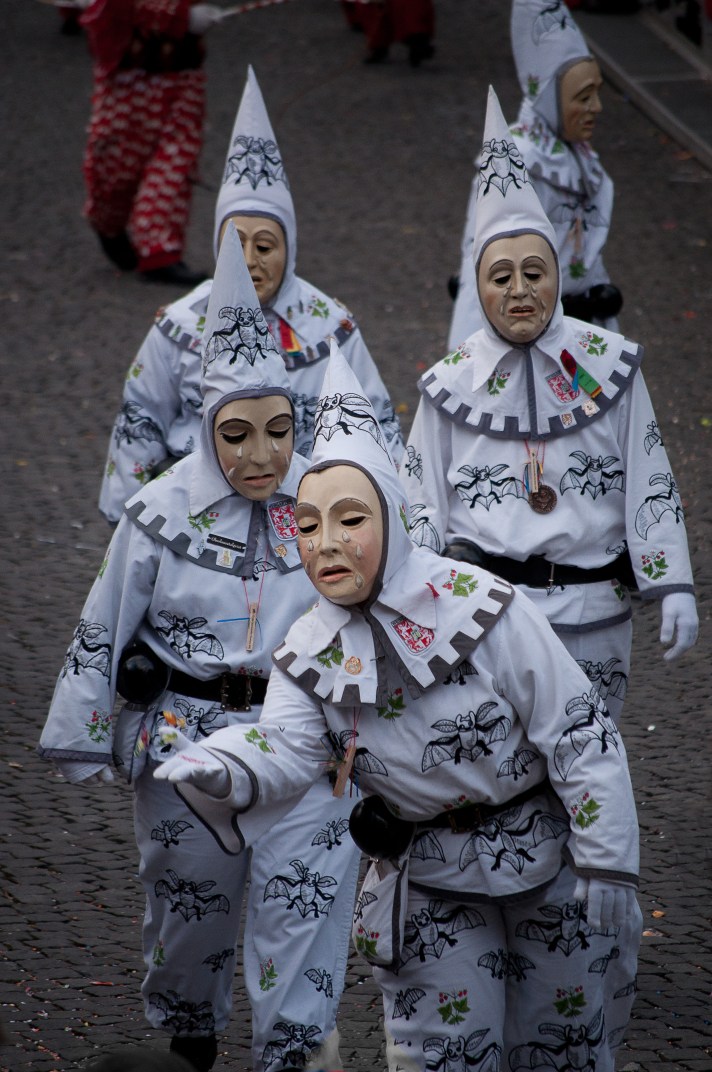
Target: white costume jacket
(434,731)
(173,577)
(489,402)
(162,404)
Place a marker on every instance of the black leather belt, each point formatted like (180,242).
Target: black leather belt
(234,692)
(472,816)
(536,572)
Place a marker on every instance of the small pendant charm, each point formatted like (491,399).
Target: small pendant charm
(543,500)
(353,665)
(345,768)
(251,626)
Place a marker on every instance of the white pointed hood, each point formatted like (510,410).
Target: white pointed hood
(240,358)
(507,203)
(410,618)
(254,182)
(546,42)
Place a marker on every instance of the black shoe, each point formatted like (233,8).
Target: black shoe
(200,1052)
(377,55)
(178,274)
(119,250)
(419,49)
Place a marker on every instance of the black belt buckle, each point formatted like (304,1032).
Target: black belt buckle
(471,818)
(230,686)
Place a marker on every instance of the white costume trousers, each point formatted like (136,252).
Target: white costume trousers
(509,987)
(299,906)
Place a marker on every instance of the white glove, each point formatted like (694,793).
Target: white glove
(203,16)
(679,622)
(609,903)
(195,764)
(84,773)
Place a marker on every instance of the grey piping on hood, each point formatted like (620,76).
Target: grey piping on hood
(561,71)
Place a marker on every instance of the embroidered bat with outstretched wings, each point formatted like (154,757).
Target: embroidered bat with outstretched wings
(458,1054)
(133,423)
(595,724)
(468,735)
(608,681)
(426,846)
(594,475)
(405,1002)
(655,507)
(509,839)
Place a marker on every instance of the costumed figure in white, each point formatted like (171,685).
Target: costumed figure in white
(535,450)
(159,419)
(561,84)
(201,581)
(499,908)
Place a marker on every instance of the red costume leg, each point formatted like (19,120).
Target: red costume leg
(410,17)
(115,151)
(161,207)
(376,22)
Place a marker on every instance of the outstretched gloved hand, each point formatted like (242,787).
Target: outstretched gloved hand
(195,764)
(609,903)
(203,16)
(84,773)
(679,623)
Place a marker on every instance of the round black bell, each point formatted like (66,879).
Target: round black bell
(377,831)
(463,551)
(141,676)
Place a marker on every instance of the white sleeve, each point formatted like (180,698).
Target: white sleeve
(423,474)
(655,525)
(79,724)
(565,719)
(282,754)
(150,404)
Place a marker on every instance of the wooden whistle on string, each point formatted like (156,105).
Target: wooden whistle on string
(533,472)
(345,768)
(251,626)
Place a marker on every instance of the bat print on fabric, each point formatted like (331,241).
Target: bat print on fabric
(184,635)
(485,485)
(509,839)
(183,1017)
(430,930)
(191,900)
(307,892)
(84,654)
(593,724)
(459,1054)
